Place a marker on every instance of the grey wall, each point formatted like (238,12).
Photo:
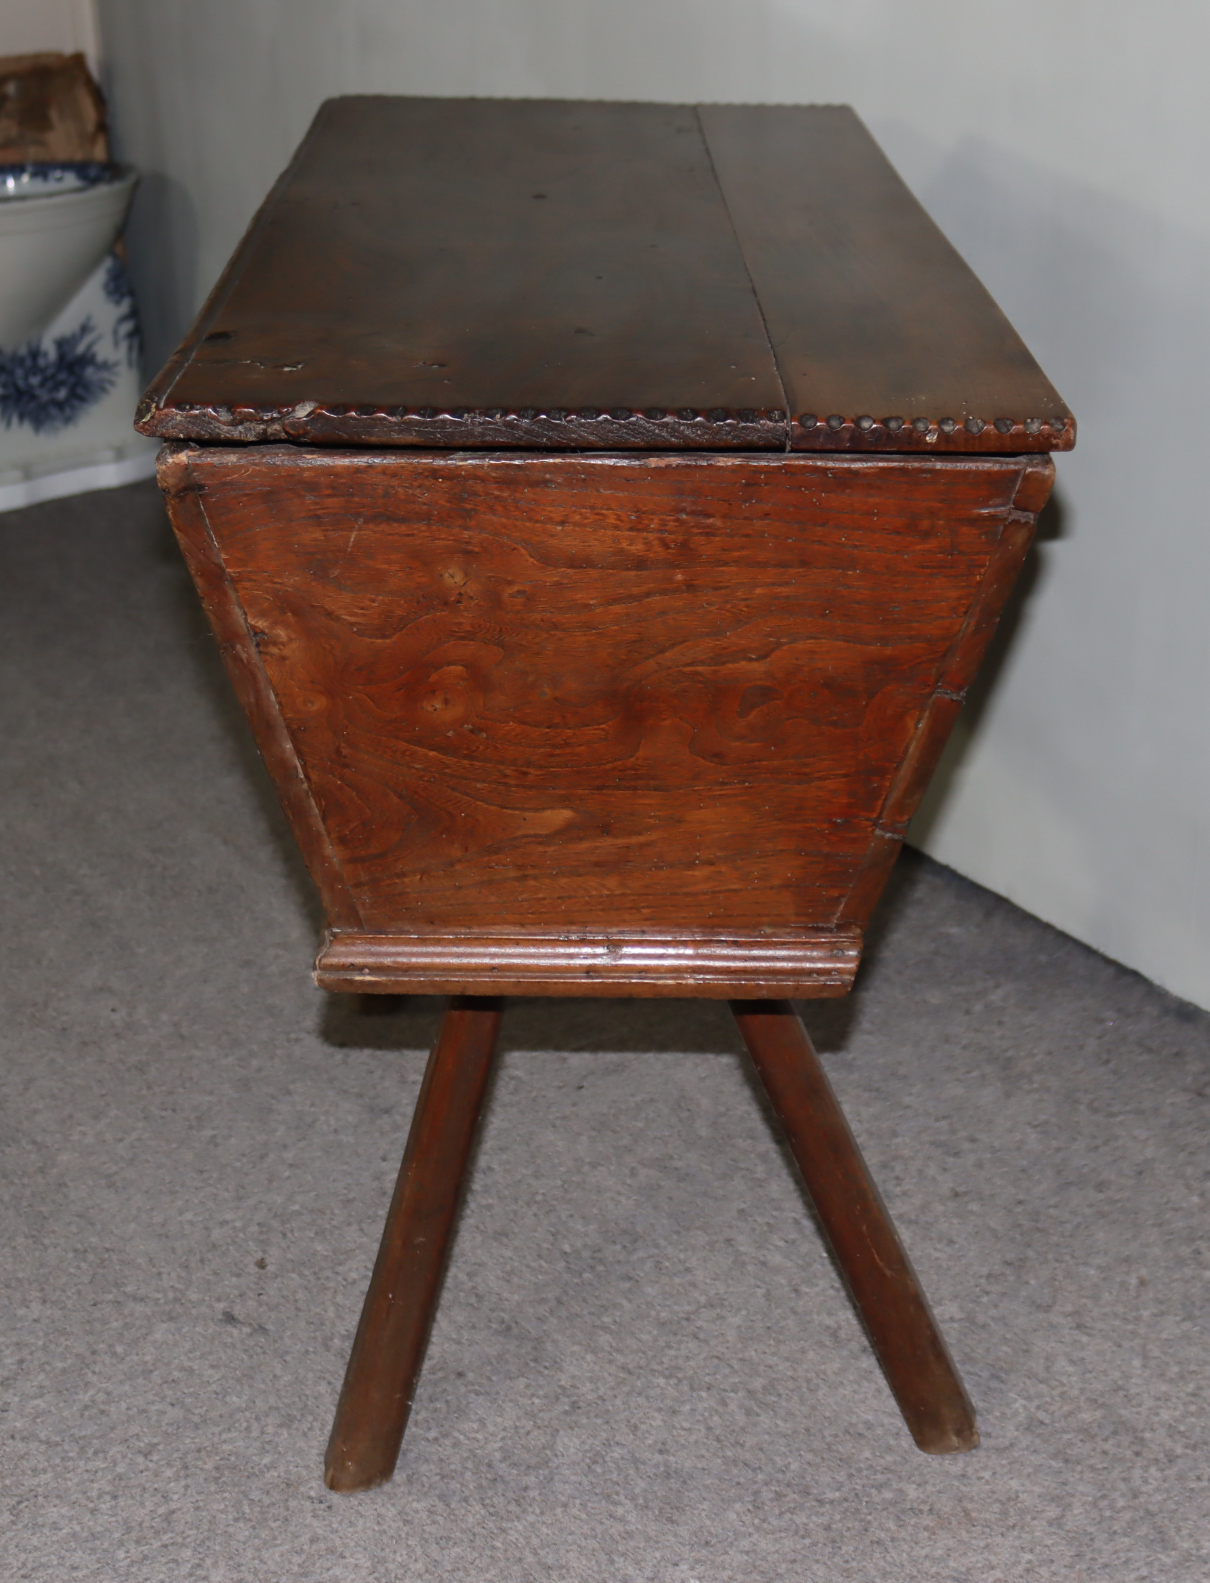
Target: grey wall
(1064,149)
(29,26)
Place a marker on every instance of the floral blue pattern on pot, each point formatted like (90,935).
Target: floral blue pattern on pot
(50,382)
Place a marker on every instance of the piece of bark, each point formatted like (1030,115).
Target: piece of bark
(51,109)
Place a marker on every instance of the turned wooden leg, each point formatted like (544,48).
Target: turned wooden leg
(388,1351)
(883,1284)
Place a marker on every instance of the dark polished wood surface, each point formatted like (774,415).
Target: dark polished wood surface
(871,312)
(589,276)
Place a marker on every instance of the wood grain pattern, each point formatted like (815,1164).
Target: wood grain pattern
(583,276)
(879,1275)
(958,670)
(397,1315)
(237,645)
(662,699)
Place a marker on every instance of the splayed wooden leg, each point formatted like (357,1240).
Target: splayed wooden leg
(880,1278)
(398,1313)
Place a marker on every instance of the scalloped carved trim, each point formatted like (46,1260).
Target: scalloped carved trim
(1004,435)
(552,428)
(593,428)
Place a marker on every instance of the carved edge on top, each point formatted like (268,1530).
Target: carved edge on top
(550,428)
(1000,434)
(593,428)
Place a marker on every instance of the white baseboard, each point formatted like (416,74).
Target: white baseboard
(107,470)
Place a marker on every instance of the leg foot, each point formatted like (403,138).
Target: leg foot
(880,1278)
(389,1347)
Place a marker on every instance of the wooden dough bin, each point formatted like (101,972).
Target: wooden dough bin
(603,510)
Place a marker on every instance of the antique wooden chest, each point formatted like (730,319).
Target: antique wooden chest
(603,510)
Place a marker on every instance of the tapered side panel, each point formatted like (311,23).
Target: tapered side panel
(237,645)
(958,670)
(548,694)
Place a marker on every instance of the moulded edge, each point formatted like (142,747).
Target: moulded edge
(810,964)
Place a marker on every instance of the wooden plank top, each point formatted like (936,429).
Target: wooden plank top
(575,275)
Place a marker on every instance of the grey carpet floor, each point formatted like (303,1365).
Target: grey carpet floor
(644,1367)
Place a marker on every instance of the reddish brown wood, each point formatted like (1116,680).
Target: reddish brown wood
(880,1277)
(591,276)
(238,647)
(958,670)
(388,1351)
(585,699)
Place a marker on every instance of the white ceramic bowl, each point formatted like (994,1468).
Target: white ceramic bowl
(57,223)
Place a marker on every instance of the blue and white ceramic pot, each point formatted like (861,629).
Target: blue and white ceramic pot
(57,222)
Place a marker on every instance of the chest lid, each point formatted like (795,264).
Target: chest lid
(568,275)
